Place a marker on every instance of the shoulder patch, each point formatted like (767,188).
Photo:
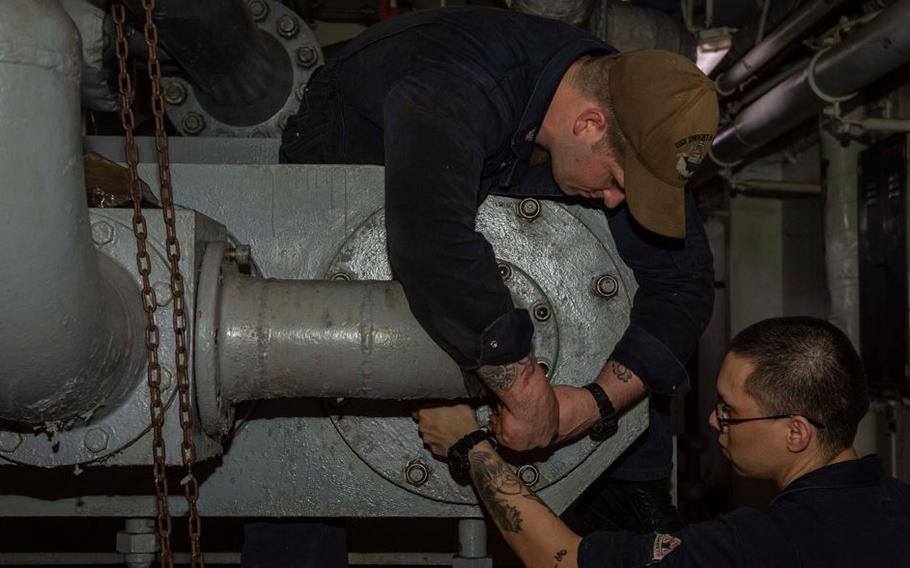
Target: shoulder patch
(663,545)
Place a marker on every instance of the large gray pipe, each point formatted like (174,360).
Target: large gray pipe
(619,24)
(65,330)
(869,53)
(783,35)
(281,339)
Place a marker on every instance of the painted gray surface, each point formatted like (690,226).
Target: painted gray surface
(554,261)
(184,150)
(286,457)
(54,286)
(98,85)
(117,433)
(311,338)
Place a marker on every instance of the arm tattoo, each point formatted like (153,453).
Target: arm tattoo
(494,479)
(502,377)
(621,372)
(560,555)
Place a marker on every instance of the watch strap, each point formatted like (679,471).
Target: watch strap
(458,452)
(608,423)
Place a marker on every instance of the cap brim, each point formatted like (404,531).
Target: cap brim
(654,204)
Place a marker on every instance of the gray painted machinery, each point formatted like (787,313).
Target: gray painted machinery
(305,358)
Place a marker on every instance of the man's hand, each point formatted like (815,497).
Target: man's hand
(442,426)
(529,414)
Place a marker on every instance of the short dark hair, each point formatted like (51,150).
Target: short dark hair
(592,79)
(806,366)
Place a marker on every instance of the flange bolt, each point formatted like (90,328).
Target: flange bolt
(606,286)
(193,123)
(258,9)
(288,26)
(416,473)
(529,475)
(307,56)
(529,209)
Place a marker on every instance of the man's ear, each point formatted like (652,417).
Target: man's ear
(590,125)
(800,434)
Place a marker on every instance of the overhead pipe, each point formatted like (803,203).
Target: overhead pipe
(777,187)
(870,52)
(69,319)
(619,24)
(784,35)
(326,338)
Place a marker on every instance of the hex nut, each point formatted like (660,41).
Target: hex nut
(96,440)
(258,9)
(133,543)
(167,378)
(529,475)
(340,276)
(102,233)
(541,312)
(10,441)
(505,271)
(193,123)
(606,286)
(307,56)
(162,293)
(529,209)
(416,473)
(174,93)
(288,26)
(300,91)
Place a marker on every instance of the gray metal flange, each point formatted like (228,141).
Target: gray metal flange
(283,26)
(215,414)
(552,263)
(125,417)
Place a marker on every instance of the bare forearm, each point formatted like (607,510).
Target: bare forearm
(622,385)
(578,410)
(534,532)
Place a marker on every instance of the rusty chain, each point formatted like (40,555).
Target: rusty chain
(143,260)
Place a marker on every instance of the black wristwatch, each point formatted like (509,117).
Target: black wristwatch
(458,453)
(608,423)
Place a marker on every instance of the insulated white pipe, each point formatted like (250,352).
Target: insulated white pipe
(841,241)
(65,327)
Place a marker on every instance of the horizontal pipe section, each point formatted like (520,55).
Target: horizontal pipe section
(67,337)
(869,53)
(282,338)
(777,186)
(783,35)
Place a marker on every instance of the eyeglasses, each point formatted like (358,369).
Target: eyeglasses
(720,412)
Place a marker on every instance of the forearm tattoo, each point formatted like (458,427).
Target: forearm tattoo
(502,377)
(560,555)
(622,373)
(494,480)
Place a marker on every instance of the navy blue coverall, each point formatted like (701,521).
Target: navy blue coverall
(450,101)
(846,515)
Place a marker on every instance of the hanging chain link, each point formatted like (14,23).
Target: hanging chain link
(143,260)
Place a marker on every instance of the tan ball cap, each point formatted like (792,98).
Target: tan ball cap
(667,111)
